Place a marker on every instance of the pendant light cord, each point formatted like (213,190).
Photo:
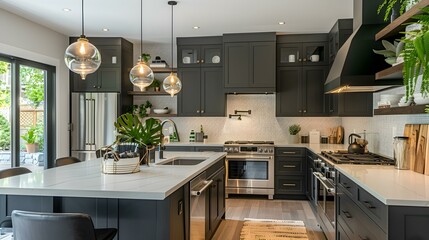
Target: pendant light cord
(172,63)
(141,29)
(83,21)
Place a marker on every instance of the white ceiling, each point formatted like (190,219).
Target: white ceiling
(215,17)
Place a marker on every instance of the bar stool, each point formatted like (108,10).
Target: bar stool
(66,161)
(52,226)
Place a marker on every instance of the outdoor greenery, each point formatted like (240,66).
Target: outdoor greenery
(32,80)
(4,89)
(4,133)
(31,136)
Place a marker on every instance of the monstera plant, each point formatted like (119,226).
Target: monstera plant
(130,129)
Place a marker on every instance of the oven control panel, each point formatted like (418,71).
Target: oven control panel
(249,149)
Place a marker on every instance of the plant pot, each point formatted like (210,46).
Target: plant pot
(293,139)
(149,157)
(156,89)
(32,147)
(148,110)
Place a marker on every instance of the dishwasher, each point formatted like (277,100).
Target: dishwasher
(198,196)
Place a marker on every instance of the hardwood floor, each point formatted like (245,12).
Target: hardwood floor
(238,209)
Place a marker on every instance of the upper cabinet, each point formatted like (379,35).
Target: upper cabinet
(302,54)
(112,75)
(338,35)
(201,72)
(250,62)
(201,51)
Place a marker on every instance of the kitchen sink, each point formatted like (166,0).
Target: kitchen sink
(183,161)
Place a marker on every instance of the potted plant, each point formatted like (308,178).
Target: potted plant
(293,131)
(146,57)
(391,7)
(416,62)
(31,138)
(148,106)
(392,52)
(156,84)
(131,130)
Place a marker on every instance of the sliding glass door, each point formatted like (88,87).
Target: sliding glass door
(25,115)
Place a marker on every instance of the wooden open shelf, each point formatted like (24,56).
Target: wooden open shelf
(394,72)
(162,115)
(417,109)
(163,70)
(149,93)
(398,25)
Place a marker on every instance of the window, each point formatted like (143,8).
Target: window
(27,108)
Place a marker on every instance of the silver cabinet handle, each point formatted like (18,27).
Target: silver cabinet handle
(202,111)
(305,111)
(198,111)
(289,184)
(202,61)
(198,192)
(288,152)
(289,166)
(305,59)
(198,61)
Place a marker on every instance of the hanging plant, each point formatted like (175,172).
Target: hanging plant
(389,5)
(416,56)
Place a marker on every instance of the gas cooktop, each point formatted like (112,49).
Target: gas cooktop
(250,142)
(356,158)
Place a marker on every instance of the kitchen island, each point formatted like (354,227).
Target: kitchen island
(150,204)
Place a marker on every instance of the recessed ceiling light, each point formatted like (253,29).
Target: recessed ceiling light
(196,27)
(66,9)
(281,23)
(105,29)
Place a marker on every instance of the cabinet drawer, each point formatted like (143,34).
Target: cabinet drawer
(293,152)
(350,216)
(341,233)
(290,185)
(289,165)
(374,208)
(350,187)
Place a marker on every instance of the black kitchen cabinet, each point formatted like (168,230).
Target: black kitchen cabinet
(112,75)
(199,52)
(290,172)
(200,69)
(338,35)
(298,49)
(249,62)
(216,199)
(300,91)
(204,94)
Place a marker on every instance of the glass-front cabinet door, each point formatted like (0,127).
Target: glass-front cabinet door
(189,56)
(289,54)
(315,53)
(212,55)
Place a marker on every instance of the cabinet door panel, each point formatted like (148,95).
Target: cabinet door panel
(237,65)
(188,56)
(109,79)
(264,64)
(110,56)
(189,98)
(288,96)
(314,97)
(89,84)
(212,55)
(289,54)
(317,50)
(355,104)
(213,96)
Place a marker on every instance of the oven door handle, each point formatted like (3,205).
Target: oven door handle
(320,177)
(254,158)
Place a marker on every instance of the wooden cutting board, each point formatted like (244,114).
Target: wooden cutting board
(419,165)
(340,135)
(412,132)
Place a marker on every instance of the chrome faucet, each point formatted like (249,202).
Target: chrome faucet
(161,146)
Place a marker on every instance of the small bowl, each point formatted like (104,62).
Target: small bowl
(421,101)
(161,111)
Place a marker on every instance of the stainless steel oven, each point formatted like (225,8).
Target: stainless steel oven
(324,196)
(250,168)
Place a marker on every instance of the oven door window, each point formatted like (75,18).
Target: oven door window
(248,170)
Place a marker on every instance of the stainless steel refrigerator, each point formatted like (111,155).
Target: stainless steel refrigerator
(92,118)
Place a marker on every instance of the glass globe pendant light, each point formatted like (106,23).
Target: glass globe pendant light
(172,83)
(82,57)
(141,75)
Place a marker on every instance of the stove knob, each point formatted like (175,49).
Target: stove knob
(225,149)
(230,149)
(236,150)
(260,150)
(271,151)
(266,150)
(322,164)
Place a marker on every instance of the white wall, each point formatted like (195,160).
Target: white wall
(26,39)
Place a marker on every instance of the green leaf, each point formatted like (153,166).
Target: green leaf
(386,53)
(388,46)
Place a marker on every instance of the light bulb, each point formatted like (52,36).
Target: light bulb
(82,57)
(141,75)
(172,84)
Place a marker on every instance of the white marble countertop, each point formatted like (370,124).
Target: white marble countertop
(389,185)
(86,179)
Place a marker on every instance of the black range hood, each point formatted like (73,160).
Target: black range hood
(355,64)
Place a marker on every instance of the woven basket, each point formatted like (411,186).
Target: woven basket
(113,164)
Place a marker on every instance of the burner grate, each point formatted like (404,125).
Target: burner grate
(353,158)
